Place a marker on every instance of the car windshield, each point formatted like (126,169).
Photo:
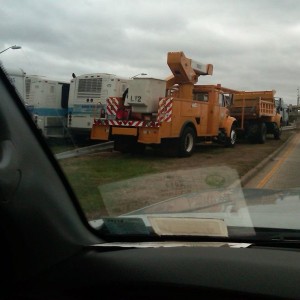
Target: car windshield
(168,118)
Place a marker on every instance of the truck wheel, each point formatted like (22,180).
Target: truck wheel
(277,132)
(262,133)
(187,142)
(253,132)
(231,140)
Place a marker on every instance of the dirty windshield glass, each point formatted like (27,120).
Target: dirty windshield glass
(168,118)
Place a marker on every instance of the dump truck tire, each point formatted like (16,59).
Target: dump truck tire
(277,132)
(187,142)
(262,133)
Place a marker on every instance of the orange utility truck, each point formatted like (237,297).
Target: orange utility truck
(172,114)
(256,115)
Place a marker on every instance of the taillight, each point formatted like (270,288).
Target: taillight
(126,114)
(120,114)
(123,114)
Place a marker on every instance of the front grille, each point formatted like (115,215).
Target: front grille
(89,87)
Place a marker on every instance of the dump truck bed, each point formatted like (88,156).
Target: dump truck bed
(253,105)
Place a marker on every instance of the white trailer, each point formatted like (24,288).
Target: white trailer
(87,99)
(17,76)
(47,101)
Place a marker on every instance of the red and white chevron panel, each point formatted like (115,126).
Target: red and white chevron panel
(164,115)
(127,123)
(112,105)
(165,110)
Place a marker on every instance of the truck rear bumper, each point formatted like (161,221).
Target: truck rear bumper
(149,135)
(132,131)
(145,135)
(100,133)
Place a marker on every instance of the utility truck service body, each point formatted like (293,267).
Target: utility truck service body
(256,115)
(173,113)
(47,102)
(87,98)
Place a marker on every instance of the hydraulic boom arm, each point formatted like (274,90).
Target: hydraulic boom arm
(185,70)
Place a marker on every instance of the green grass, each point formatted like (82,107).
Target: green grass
(85,174)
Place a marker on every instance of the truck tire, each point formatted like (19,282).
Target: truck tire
(277,132)
(231,140)
(262,133)
(187,142)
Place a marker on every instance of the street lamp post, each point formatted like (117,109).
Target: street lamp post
(142,74)
(15,47)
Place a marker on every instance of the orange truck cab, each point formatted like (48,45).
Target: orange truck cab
(173,114)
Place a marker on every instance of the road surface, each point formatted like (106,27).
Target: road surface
(283,171)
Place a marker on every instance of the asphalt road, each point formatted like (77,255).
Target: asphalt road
(282,171)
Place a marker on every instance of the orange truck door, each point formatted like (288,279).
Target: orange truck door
(213,115)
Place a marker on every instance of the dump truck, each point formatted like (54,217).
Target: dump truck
(172,114)
(256,115)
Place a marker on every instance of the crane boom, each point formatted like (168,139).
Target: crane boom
(186,70)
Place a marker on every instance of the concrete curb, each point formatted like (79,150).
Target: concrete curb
(250,174)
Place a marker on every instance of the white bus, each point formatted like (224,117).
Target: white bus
(87,99)
(17,76)
(47,101)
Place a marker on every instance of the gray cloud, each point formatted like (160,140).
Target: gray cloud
(252,44)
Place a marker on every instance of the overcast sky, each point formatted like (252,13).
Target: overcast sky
(253,45)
